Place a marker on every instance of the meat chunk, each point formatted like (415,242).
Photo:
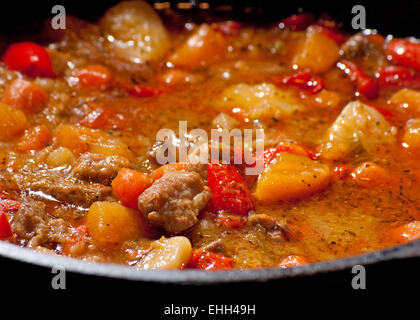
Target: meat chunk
(359,46)
(63,188)
(32,224)
(200,168)
(99,168)
(276,230)
(174,201)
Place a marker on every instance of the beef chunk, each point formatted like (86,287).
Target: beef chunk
(174,201)
(359,46)
(68,191)
(200,168)
(275,230)
(99,168)
(32,224)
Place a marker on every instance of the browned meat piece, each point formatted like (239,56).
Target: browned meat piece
(174,201)
(200,168)
(276,230)
(99,168)
(217,246)
(360,46)
(63,188)
(32,224)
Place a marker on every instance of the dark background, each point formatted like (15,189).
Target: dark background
(25,283)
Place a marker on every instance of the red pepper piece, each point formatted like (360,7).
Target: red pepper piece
(206,260)
(304,80)
(9,206)
(336,35)
(341,171)
(405,52)
(385,112)
(227,28)
(29,58)
(5,230)
(329,27)
(143,92)
(298,22)
(271,153)
(231,221)
(366,86)
(396,76)
(230,192)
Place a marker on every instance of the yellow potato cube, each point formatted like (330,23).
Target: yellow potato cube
(13,122)
(411,138)
(317,52)
(110,223)
(407,100)
(291,176)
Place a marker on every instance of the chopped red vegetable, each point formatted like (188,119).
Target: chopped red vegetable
(5,230)
(397,76)
(206,260)
(304,80)
(385,112)
(227,28)
(405,52)
(341,171)
(271,153)
(329,27)
(9,206)
(231,221)
(29,58)
(366,86)
(298,22)
(143,92)
(128,185)
(230,192)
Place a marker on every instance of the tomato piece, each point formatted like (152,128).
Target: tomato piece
(271,153)
(366,86)
(298,22)
(143,92)
(29,58)
(206,260)
(405,52)
(333,33)
(9,206)
(231,221)
(34,138)
(397,76)
(5,229)
(128,185)
(230,192)
(94,76)
(79,236)
(304,80)
(25,96)
(227,28)
(385,112)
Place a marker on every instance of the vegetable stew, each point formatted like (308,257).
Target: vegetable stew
(81,113)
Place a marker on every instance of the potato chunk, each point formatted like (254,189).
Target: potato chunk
(110,223)
(203,46)
(260,101)
(170,253)
(411,138)
(135,31)
(291,176)
(82,139)
(357,126)
(13,122)
(317,52)
(407,100)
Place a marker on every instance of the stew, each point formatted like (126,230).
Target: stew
(80,141)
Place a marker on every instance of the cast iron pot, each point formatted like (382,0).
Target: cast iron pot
(386,18)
